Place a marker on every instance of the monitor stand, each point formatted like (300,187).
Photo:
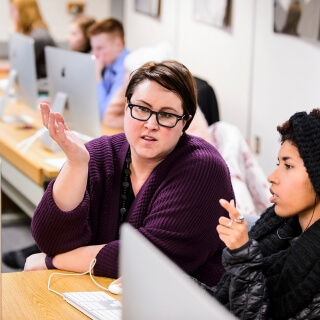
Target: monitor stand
(58,105)
(22,118)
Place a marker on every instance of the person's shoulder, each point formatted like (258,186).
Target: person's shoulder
(125,52)
(119,63)
(197,160)
(199,152)
(42,35)
(199,145)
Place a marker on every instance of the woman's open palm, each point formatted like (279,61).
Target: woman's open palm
(67,140)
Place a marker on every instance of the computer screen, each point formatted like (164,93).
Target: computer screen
(22,79)
(72,89)
(154,287)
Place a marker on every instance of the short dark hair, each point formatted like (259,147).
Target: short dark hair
(110,26)
(171,75)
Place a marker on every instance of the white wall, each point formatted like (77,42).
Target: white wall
(142,30)
(221,57)
(5,22)
(286,79)
(260,77)
(56,15)
(58,24)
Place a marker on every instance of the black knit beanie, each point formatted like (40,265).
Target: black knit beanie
(306,131)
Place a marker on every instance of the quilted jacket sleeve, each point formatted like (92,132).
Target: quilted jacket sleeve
(247,292)
(312,312)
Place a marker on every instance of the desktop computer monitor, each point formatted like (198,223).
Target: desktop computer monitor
(22,79)
(72,89)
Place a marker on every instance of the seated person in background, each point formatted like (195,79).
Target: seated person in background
(274,271)
(111,41)
(153,176)
(108,46)
(27,20)
(114,115)
(78,39)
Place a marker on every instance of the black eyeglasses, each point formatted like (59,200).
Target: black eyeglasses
(164,119)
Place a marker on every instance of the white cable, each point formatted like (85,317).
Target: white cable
(94,281)
(25,144)
(92,263)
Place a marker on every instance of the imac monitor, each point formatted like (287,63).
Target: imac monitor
(72,90)
(22,76)
(154,287)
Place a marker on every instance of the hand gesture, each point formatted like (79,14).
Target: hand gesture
(71,145)
(234,231)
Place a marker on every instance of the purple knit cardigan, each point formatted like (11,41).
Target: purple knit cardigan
(177,208)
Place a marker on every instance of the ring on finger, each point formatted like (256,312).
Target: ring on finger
(229,224)
(239,219)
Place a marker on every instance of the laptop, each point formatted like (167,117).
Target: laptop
(156,288)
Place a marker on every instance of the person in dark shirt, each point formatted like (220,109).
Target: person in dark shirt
(27,19)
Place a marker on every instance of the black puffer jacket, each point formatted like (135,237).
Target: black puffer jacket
(276,275)
(247,292)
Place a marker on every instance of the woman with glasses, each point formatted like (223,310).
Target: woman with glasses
(153,176)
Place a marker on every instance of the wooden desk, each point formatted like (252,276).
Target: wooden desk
(4,68)
(26,175)
(25,295)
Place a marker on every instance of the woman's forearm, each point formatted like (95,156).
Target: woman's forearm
(70,186)
(77,260)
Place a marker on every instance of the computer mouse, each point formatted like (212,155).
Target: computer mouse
(115,288)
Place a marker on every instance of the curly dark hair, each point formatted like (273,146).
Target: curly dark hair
(286,129)
(303,131)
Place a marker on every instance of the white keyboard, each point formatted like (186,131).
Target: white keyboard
(97,305)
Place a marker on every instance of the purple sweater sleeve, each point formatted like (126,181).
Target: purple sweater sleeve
(94,221)
(69,229)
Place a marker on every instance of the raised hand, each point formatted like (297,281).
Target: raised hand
(234,231)
(71,145)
